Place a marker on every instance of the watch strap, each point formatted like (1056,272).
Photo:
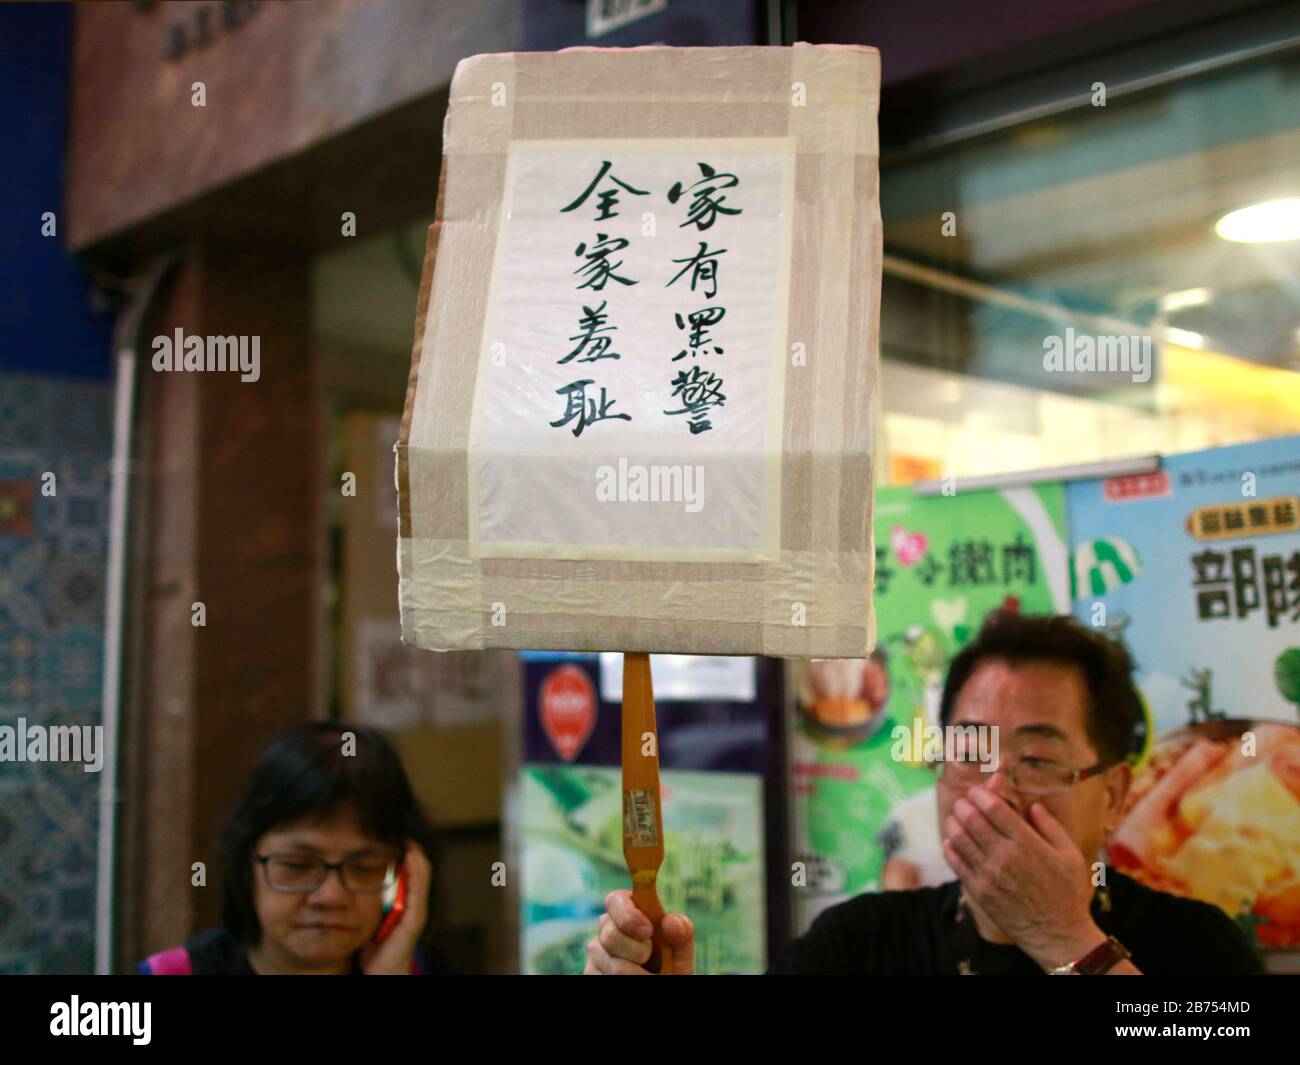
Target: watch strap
(1097,961)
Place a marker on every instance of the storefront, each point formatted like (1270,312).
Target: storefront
(1056,295)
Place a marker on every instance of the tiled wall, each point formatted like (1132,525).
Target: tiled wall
(52,569)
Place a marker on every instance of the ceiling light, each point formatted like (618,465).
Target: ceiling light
(1188,297)
(1184,338)
(1262,223)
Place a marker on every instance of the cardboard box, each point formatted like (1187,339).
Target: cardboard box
(639,415)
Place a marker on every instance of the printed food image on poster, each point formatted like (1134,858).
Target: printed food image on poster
(713,719)
(572,846)
(1196,568)
(1215,815)
(864,819)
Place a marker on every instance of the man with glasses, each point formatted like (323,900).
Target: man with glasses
(1024,839)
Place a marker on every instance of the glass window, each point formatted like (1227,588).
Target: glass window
(1069,291)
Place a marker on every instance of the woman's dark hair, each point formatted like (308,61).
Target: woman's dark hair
(1114,706)
(304,774)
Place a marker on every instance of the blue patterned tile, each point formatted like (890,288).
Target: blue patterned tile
(51,648)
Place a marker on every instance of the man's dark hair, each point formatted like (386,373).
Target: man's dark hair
(305,774)
(1114,706)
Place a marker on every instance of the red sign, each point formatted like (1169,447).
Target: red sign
(1135,486)
(568,709)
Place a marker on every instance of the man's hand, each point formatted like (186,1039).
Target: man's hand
(1027,877)
(622,943)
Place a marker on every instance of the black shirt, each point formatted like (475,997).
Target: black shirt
(914,932)
(215,952)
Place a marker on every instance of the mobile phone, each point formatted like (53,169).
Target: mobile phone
(394,902)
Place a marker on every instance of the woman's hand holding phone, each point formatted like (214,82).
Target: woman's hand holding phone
(394,955)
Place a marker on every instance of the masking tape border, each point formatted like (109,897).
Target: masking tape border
(844,87)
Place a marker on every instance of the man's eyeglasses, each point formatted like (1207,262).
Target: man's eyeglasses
(286,872)
(1038,777)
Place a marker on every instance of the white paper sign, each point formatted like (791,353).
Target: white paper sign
(685,678)
(630,384)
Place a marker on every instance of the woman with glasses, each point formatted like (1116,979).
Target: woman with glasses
(312,858)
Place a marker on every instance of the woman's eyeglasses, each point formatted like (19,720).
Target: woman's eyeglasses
(286,872)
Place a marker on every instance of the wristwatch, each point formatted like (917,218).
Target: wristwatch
(1095,962)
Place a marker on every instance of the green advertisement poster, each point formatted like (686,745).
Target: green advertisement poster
(862,820)
(571,835)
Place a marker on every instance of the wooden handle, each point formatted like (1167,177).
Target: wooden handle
(646,899)
(643,843)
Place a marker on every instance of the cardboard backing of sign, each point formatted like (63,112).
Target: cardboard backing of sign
(805,588)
